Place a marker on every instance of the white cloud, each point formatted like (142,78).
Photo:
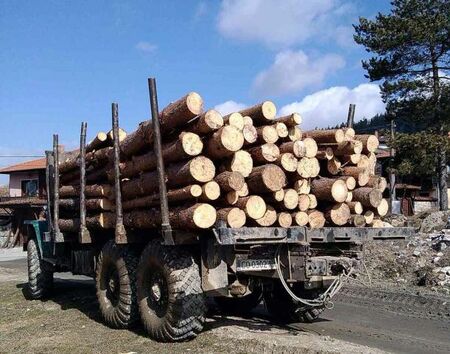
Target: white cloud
(229,107)
(280,23)
(292,71)
(146,47)
(329,107)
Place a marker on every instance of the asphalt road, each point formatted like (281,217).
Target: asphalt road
(388,320)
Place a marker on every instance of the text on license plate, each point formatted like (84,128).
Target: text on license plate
(243,265)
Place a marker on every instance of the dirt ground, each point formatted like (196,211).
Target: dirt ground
(70,322)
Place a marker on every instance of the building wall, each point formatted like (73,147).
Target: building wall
(15,181)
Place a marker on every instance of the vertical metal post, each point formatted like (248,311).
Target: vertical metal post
(351,115)
(84,235)
(165,222)
(57,233)
(48,178)
(120,235)
(392,195)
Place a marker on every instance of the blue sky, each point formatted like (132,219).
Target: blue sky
(62,62)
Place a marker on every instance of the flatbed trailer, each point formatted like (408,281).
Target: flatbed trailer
(162,276)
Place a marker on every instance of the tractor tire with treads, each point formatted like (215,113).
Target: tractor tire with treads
(170,297)
(40,274)
(240,305)
(116,285)
(283,308)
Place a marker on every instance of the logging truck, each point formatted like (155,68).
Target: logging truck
(160,231)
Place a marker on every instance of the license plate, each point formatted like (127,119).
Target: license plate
(246,265)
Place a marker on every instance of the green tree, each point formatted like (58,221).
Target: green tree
(411,56)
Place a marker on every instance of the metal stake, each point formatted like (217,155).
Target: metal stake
(165,222)
(57,233)
(84,235)
(351,115)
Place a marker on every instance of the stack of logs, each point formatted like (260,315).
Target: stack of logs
(247,168)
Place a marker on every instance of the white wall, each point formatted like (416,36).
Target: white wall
(15,179)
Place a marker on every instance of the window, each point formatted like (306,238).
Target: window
(29,187)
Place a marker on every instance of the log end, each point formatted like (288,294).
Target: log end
(269,110)
(194,103)
(204,216)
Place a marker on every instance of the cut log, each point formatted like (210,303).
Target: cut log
(210,191)
(266,178)
(360,174)
(308,167)
(185,146)
(176,195)
(355,207)
(369,197)
(294,133)
(267,134)
(206,123)
(253,206)
(234,119)
(377,182)
(290,199)
(262,113)
(250,134)
(230,181)
(278,196)
(268,219)
(358,220)
(233,196)
(300,218)
(349,134)
(139,140)
(288,162)
(95,190)
(350,182)
(369,216)
(291,120)
(312,201)
(338,214)
(364,162)
(303,202)
(284,219)
(302,186)
(224,142)
(328,189)
(91,204)
(326,136)
(351,159)
(122,135)
(349,197)
(198,170)
(325,153)
(248,120)
(97,222)
(378,223)
(99,141)
(282,129)
(370,143)
(147,183)
(197,216)
(316,219)
(178,113)
(382,209)
(241,162)
(334,166)
(348,148)
(300,148)
(264,153)
(233,217)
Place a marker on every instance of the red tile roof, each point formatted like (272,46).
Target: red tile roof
(38,164)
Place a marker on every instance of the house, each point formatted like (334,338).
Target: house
(26,179)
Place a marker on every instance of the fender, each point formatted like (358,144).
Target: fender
(36,229)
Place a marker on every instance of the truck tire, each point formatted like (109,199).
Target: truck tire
(240,305)
(115,282)
(40,274)
(284,309)
(170,298)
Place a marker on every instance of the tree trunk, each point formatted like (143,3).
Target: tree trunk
(176,195)
(262,113)
(266,178)
(377,182)
(312,201)
(442,178)
(349,181)
(178,113)
(328,189)
(234,217)
(325,153)
(206,123)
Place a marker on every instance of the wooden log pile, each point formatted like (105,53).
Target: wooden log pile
(248,168)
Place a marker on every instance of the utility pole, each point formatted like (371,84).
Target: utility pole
(351,115)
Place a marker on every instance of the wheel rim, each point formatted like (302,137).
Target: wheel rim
(157,293)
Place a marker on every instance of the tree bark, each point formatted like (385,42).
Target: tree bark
(360,174)
(263,113)
(224,142)
(94,190)
(355,207)
(206,123)
(230,181)
(326,136)
(338,214)
(97,222)
(200,169)
(368,197)
(91,204)
(100,140)
(268,219)
(234,217)
(370,143)
(234,119)
(328,189)
(291,120)
(178,113)
(266,134)
(287,161)
(264,153)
